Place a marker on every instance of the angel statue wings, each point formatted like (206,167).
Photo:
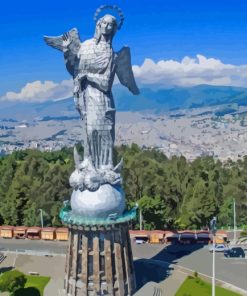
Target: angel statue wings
(93,65)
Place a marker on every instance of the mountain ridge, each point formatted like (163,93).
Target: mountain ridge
(153,98)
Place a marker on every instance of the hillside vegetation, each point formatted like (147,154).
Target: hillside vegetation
(173,193)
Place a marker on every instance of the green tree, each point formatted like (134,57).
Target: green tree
(11,281)
(153,211)
(174,193)
(30,215)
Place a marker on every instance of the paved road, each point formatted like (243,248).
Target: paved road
(198,259)
(33,245)
(232,270)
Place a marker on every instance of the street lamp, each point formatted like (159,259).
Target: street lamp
(234,222)
(140,216)
(213,229)
(41,217)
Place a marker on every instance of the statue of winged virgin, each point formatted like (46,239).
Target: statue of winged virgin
(93,65)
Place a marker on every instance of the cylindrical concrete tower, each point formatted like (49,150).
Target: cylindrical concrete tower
(99,261)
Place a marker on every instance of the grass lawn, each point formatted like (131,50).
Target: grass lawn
(34,286)
(193,286)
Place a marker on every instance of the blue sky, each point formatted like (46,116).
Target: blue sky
(158,29)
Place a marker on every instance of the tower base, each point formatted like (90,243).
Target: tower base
(99,261)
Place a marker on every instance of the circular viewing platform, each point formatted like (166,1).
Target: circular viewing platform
(68,217)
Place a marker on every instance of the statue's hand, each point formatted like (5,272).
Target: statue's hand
(77,84)
(77,87)
(77,91)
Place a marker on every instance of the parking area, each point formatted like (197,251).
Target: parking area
(193,257)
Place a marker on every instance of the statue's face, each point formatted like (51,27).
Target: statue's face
(107,25)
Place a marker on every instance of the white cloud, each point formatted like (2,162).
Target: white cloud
(191,71)
(188,72)
(38,91)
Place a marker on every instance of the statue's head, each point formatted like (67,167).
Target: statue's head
(107,26)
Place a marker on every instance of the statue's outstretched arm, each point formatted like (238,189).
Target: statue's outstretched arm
(124,70)
(69,43)
(99,80)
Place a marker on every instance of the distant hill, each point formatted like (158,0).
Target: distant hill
(152,98)
(160,99)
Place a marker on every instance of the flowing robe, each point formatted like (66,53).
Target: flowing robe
(95,72)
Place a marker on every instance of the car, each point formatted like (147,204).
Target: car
(234,253)
(219,248)
(141,239)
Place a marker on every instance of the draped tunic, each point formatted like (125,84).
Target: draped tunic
(96,70)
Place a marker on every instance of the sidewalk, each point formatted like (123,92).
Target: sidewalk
(54,287)
(169,286)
